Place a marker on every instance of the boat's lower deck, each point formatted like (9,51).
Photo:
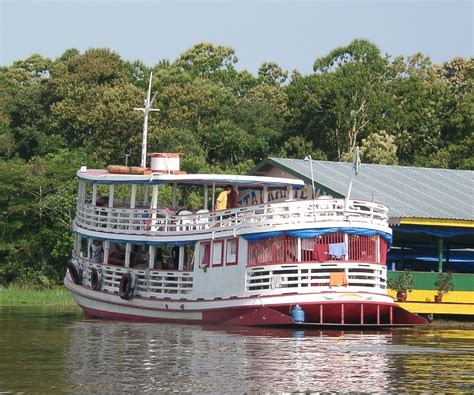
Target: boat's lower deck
(320,309)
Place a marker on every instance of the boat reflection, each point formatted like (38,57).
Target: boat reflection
(108,356)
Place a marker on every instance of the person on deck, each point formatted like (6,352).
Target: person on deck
(97,252)
(233,199)
(221,202)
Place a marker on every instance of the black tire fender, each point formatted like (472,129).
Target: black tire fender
(74,273)
(127,285)
(96,279)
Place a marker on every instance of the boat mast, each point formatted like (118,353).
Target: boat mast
(146,110)
(354,170)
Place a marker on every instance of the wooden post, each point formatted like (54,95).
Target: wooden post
(174,195)
(94,194)
(111,195)
(152,253)
(346,242)
(213,195)
(127,254)
(181,258)
(298,250)
(290,192)
(133,197)
(106,251)
(145,194)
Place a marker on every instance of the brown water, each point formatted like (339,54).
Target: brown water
(44,350)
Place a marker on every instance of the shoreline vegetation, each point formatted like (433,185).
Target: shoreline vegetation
(16,296)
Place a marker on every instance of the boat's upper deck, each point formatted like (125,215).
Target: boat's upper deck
(128,207)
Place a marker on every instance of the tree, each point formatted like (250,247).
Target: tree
(91,104)
(343,101)
(24,125)
(425,106)
(209,61)
(272,74)
(379,148)
(38,205)
(297,147)
(355,75)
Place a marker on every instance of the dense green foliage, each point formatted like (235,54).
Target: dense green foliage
(78,110)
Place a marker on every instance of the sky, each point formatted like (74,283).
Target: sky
(291,33)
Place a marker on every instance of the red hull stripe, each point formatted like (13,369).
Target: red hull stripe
(374,315)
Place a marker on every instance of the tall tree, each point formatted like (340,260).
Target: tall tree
(344,100)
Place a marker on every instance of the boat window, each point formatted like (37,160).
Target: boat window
(205,254)
(84,248)
(231,251)
(117,254)
(217,253)
(139,257)
(167,257)
(188,257)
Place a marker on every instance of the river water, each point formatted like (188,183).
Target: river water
(48,350)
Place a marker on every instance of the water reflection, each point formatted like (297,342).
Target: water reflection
(44,351)
(140,357)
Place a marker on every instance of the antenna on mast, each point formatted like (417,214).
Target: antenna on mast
(146,109)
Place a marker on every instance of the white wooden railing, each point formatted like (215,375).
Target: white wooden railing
(158,222)
(149,283)
(258,280)
(301,277)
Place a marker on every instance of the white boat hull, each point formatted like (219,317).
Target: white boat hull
(321,309)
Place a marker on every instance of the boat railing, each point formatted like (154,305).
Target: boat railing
(297,278)
(152,283)
(165,284)
(158,222)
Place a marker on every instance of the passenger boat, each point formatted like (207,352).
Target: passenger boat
(136,259)
(282,257)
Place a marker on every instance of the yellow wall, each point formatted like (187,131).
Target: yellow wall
(428,296)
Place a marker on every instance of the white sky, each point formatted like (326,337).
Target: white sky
(291,33)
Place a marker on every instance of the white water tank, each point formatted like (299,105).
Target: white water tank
(165,162)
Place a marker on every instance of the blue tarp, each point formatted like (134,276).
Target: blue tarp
(310,233)
(438,231)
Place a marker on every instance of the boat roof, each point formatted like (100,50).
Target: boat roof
(104,177)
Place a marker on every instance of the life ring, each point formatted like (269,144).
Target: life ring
(74,273)
(96,279)
(127,286)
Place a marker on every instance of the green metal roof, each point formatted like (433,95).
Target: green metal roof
(408,191)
